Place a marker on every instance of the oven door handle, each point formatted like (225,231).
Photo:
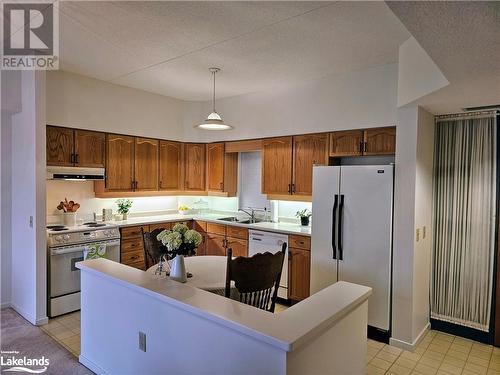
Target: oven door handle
(79,248)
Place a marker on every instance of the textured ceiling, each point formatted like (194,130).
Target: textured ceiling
(463,39)
(167,47)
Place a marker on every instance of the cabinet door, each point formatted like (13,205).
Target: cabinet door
(59,145)
(277,165)
(202,249)
(308,150)
(89,149)
(119,162)
(194,160)
(215,244)
(215,167)
(346,143)
(380,141)
(298,273)
(170,165)
(239,246)
(146,164)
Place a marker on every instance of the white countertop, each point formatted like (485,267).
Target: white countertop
(286,330)
(287,228)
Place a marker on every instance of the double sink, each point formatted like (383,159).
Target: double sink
(234,219)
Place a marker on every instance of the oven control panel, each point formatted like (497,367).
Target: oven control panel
(88,235)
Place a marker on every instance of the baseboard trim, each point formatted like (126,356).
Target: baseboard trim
(91,365)
(30,318)
(410,346)
(5,305)
(42,321)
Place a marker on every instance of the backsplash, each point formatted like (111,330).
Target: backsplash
(83,193)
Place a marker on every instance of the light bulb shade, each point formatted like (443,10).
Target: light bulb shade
(214,122)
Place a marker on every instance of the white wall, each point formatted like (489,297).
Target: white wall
(412,210)
(28,201)
(5,208)
(360,99)
(82,102)
(418,75)
(423,218)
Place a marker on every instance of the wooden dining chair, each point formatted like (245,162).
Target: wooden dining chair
(256,279)
(152,247)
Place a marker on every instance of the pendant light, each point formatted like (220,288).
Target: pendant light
(214,120)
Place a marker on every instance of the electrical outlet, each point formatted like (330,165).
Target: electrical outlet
(31,221)
(142,341)
(418,234)
(423,232)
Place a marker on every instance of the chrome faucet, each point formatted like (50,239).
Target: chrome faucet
(251,213)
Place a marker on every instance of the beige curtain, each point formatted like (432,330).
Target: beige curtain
(464,221)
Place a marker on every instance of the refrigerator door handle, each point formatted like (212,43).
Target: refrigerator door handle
(334,219)
(341,214)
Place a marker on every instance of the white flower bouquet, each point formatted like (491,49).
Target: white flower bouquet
(180,240)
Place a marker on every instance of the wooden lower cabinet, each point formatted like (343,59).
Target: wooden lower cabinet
(239,246)
(132,246)
(152,227)
(215,244)
(299,268)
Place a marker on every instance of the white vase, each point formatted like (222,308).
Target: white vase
(178,269)
(69,219)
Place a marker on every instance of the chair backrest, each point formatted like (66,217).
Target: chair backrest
(256,278)
(152,247)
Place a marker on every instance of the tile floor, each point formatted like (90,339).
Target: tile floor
(65,330)
(437,354)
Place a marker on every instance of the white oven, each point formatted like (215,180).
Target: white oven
(64,277)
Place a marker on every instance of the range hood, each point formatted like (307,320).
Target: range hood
(74,173)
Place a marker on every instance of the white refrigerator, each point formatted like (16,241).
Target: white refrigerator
(352,234)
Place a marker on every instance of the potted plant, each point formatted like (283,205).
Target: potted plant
(179,242)
(124,207)
(304,216)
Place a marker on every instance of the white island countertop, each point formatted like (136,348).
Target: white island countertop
(286,330)
(286,228)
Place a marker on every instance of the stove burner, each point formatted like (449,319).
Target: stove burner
(56,227)
(94,225)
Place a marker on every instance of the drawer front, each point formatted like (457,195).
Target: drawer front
(140,265)
(152,227)
(188,223)
(216,228)
(237,232)
(133,257)
(132,245)
(300,242)
(134,232)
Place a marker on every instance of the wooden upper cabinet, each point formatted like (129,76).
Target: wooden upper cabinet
(89,149)
(380,141)
(215,167)
(170,165)
(59,144)
(119,162)
(146,164)
(277,165)
(308,150)
(346,143)
(194,162)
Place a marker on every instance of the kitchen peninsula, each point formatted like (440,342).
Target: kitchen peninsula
(132,322)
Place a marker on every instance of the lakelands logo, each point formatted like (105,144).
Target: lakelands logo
(30,35)
(12,363)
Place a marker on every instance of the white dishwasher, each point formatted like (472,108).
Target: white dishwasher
(260,242)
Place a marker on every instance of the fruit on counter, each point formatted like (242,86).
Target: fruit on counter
(183,208)
(66,206)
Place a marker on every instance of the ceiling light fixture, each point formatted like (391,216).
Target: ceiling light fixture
(214,120)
